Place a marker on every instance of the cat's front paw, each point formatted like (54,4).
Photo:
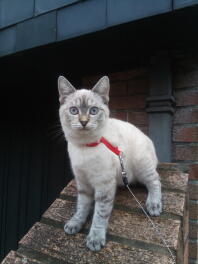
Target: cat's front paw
(96,240)
(154,206)
(72,227)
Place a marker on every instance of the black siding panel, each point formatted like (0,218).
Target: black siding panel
(28,184)
(34,167)
(35,175)
(23,224)
(13,188)
(4,162)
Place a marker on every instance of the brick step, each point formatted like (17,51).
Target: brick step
(173,201)
(17,258)
(130,238)
(52,245)
(128,225)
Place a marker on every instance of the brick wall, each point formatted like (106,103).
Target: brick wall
(129,90)
(128,93)
(185,137)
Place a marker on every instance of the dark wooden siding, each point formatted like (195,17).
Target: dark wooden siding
(34,166)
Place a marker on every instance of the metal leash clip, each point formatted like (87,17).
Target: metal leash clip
(123,171)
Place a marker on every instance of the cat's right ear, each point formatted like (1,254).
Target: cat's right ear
(65,88)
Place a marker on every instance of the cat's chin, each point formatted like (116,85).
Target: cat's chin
(86,132)
(84,136)
(84,129)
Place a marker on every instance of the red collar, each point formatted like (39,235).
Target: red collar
(107,144)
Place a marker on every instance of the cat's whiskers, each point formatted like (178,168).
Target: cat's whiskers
(56,132)
(76,126)
(89,126)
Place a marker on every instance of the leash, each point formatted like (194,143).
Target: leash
(125,181)
(120,154)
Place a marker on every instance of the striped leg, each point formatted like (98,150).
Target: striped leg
(85,199)
(104,198)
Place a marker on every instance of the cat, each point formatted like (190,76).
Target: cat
(84,117)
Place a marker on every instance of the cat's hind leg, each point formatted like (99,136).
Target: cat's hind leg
(153,203)
(85,198)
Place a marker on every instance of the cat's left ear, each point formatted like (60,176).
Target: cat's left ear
(102,88)
(65,88)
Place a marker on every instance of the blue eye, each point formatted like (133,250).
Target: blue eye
(73,110)
(94,110)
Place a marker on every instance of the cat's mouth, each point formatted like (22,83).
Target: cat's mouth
(81,128)
(84,127)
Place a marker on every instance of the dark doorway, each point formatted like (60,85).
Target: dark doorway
(34,166)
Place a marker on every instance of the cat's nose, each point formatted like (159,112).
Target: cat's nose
(83,122)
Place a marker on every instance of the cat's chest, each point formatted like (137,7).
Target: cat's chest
(89,158)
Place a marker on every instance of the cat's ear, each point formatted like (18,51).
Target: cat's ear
(102,88)
(65,88)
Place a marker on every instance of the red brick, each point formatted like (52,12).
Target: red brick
(113,114)
(185,152)
(185,134)
(118,88)
(193,171)
(193,190)
(89,81)
(129,102)
(119,114)
(186,115)
(126,75)
(144,129)
(187,97)
(138,118)
(193,209)
(138,86)
(186,75)
(193,249)
(193,229)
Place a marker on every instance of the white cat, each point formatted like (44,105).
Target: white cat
(84,116)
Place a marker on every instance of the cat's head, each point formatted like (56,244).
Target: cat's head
(83,111)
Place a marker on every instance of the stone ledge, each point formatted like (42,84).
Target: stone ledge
(130,237)
(17,258)
(173,200)
(122,224)
(48,241)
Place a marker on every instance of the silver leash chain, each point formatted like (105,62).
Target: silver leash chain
(125,181)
